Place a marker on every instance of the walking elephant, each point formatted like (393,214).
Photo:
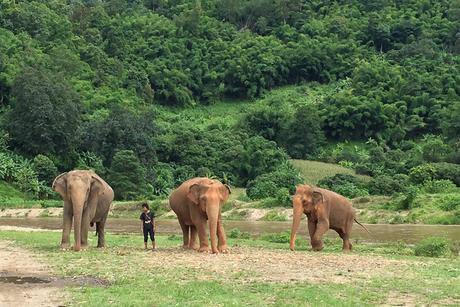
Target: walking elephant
(87,199)
(195,202)
(324,210)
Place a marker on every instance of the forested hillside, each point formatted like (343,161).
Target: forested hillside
(149,93)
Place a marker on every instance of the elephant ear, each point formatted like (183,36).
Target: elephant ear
(225,191)
(60,184)
(194,193)
(97,186)
(317,197)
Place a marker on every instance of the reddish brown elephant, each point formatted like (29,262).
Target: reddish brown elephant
(324,210)
(196,202)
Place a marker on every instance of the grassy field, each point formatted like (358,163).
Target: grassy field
(255,272)
(314,171)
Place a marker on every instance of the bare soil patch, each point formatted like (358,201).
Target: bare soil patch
(26,281)
(247,264)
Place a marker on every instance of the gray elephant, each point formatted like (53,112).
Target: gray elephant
(87,199)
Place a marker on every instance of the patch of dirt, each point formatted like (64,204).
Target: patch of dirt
(25,229)
(31,212)
(26,281)
(247,264)
(401,299)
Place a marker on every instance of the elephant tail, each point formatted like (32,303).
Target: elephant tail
(361,225)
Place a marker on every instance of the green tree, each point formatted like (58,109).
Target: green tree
(45,114)
(127,175)
(45,169)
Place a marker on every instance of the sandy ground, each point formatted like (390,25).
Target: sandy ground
(16,263)
(245,264)
(32,213)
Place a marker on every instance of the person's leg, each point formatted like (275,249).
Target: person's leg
(152,237)
(145,237)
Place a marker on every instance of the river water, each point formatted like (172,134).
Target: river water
(379,232)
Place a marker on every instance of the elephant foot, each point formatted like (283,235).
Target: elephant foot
(203,249)
(223,249)
(65,246)
(318,248)
(101,246)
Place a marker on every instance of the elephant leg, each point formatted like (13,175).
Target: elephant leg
(193,233)
(202,236)
(311,229)
(100,228)
(185,233)
(84,229)
(347,246)
(222,241)
(321,228)
(67,225)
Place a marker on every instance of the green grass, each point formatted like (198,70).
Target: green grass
(314,171)
(123,264)
(7,191)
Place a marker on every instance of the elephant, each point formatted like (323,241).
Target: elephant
(87,199)
(195,202)
(324,210)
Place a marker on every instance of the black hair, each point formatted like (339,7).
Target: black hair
(145,205)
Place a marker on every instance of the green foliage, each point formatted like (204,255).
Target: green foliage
(439,186)
(433,247)
(388,185)
(45,114)
(45,169)
(345,184)
(450,202)
(408,201)
(282,237)
(279,184)
(274,216)
(127,175)
(235,233)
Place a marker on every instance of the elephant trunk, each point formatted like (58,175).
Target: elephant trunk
(213,215)
(78,202)
(297,215)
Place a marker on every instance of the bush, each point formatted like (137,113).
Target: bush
(269,184)
(282,237)
(439,186)
(45,169)
(450,202)
(388,185)
(422,173)
(407,202)
(345,184)
(449,171)
(433,247)
(235,233)
(127,175)
(274,216)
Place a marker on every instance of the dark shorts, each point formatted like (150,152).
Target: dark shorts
(149,231)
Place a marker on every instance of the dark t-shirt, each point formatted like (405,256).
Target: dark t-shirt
(147,219)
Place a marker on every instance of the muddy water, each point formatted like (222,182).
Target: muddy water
(379,233)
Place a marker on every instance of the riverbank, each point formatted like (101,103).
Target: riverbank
(255,272)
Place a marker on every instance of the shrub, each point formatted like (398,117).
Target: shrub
(283,197)
(439,186)
(235,233)
(450,202)
(388,185)
(422,173)
(407,202)
(91,161)
(450,171)
(345,184)
(274,216)
(127,175)
(432,247)
(45,169)
(269,184)
(282,237)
